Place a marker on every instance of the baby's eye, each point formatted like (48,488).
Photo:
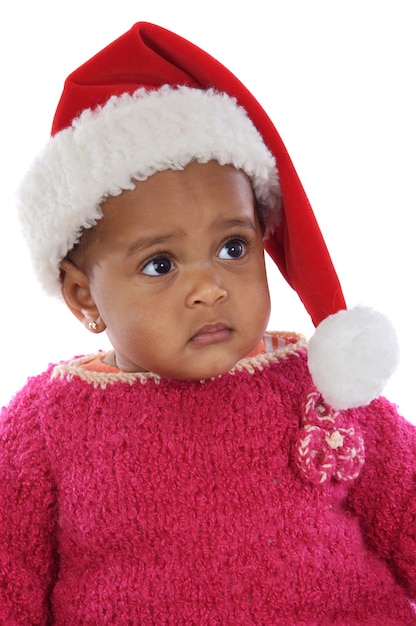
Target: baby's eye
(158,266)
(233,249)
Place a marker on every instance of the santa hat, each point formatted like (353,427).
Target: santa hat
(152,101)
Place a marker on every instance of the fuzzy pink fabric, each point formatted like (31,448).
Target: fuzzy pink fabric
(170,502)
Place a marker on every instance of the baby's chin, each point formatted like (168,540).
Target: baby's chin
(201,363)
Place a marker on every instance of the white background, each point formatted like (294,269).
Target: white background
(338,80)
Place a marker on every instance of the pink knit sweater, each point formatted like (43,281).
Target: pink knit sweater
(243,500)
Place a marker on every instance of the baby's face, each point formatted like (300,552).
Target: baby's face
(177,272)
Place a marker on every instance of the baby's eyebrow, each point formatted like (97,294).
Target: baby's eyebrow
(237,223)
(143,243)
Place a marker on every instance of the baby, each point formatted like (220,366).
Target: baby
(175,273)
(203,471)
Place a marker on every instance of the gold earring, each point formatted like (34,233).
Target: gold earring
(92,325)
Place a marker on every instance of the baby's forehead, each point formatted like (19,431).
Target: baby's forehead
(198,184)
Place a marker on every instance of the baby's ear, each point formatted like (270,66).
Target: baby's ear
(78,298)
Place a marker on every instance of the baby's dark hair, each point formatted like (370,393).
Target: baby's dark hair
(77,254)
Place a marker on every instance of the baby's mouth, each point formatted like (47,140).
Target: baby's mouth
(211,333)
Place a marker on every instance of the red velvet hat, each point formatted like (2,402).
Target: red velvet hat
(152,101)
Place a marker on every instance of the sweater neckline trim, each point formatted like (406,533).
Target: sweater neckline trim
(278,346)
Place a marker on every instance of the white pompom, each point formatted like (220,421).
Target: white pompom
(352,354)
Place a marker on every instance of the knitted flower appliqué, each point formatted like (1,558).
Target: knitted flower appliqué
(326,447)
